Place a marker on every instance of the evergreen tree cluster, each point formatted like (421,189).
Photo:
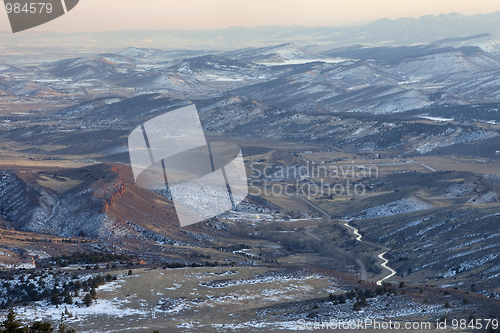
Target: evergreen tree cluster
(89,258)
(360,296)
(33,288)
(12,325)
(183,265)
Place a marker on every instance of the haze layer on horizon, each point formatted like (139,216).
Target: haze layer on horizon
(112,15)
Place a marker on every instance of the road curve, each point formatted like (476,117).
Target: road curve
(383,261)
(355,232)
(384,264)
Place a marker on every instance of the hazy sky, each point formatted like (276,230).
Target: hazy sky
(101,15)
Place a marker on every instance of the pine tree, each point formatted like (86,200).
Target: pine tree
(68,299)
(63,328)
(11,324)
(87,300)
(41,327)
(55,298)
(356,307)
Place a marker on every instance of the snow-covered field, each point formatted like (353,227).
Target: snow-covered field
(406,205)
(188,299)
(159,295)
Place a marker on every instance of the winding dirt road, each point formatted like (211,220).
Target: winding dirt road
(382,261)
(384,264)
(362,269)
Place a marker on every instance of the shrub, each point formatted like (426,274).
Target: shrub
(87,300)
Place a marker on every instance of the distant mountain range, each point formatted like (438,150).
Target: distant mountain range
(377,79)
(403,31)
(280,92)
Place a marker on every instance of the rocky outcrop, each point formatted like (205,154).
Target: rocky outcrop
(110,193)
(104,204)
(38,209)
(25,206)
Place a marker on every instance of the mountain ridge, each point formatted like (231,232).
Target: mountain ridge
(385,31)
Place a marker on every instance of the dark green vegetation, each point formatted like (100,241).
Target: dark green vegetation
(361,296)
(13,325)
(37,286)
(89,258)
